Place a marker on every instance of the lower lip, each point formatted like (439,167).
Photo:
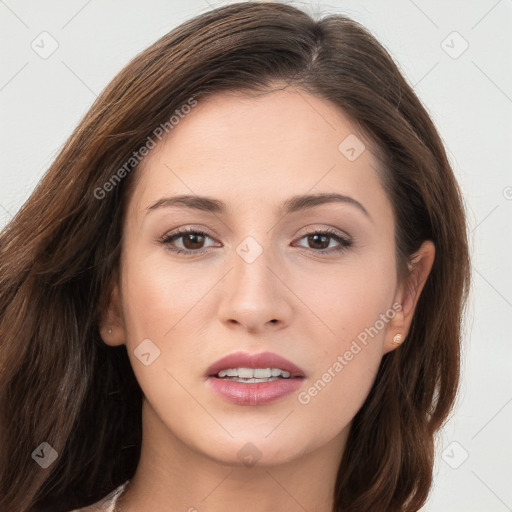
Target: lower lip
(257,393)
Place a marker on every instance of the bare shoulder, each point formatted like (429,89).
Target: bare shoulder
(107,504)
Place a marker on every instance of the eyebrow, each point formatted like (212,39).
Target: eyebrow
(291,205)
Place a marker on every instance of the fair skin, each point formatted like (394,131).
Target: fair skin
(253,153)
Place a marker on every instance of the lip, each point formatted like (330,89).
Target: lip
(260,360)
(260,393)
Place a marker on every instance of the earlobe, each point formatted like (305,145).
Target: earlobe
(397,339)
(112,328)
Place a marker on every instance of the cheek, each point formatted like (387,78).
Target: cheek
(344,369)
(350,298)
(332,397)
(354,306)
(160,304)
(165,304)
(159,299)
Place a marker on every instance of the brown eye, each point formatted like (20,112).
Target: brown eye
(191,241)
(319,241)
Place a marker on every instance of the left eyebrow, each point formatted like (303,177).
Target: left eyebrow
(291,205)
(304,202)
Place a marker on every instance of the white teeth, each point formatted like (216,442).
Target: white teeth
(253,373)
(262,373)
(252,381)
(245,373)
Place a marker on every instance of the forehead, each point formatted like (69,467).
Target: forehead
(250,149)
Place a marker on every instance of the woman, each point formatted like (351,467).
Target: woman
(240,284)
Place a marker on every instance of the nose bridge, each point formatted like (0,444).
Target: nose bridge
(251,277)
(253,295)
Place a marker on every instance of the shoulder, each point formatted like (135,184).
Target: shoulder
(107,504)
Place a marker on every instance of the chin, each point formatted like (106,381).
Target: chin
(249,449)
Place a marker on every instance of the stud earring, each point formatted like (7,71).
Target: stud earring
(110,331)
(397,339)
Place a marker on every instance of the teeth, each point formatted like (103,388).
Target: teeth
(254,373)
(262,373)
(245,373)
(251,381)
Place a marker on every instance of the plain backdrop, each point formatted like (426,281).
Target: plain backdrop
(456,54)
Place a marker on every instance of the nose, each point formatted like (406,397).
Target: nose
(255,296)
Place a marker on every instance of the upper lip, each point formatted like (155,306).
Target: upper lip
(259,360)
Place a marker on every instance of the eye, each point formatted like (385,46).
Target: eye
(321,241)
(192,241)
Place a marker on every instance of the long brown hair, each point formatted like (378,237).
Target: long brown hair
(61,385)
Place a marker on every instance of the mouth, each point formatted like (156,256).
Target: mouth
(264,365)
(253,375)
(254,379)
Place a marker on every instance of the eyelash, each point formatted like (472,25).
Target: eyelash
(344,242)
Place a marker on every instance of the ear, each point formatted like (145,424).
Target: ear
(112,326)
(408,293)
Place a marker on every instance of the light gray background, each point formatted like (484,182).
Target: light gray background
(469,98)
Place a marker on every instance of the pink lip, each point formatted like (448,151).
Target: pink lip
(260,393)
(260,360)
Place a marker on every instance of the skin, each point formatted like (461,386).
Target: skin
(253,153)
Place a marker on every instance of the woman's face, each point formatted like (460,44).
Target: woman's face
(255,278)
